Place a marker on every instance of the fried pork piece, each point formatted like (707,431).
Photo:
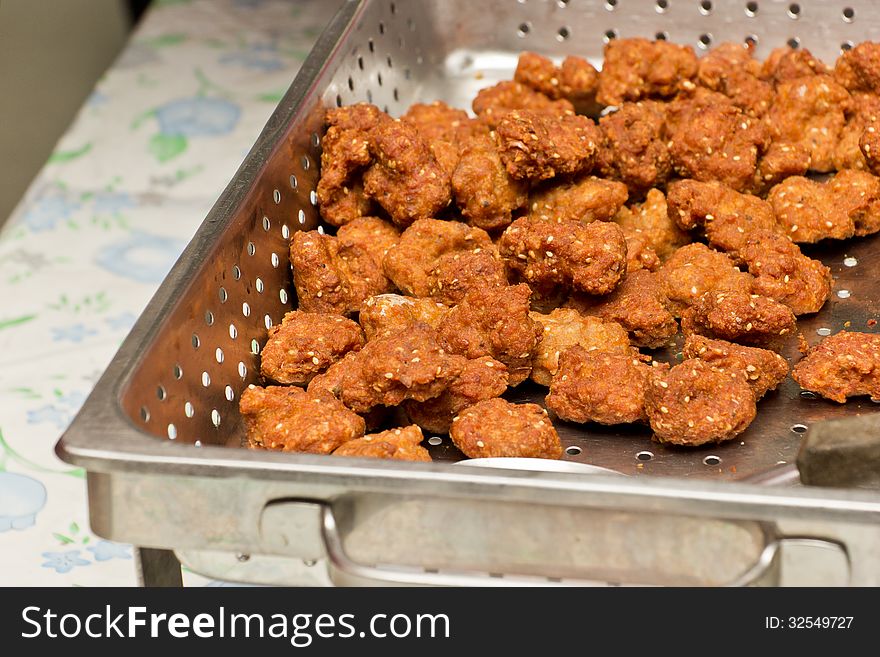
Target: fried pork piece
(694,404)
(443,128)
(869,144)
(696,269)
(651,219)
(332,276)
(576,79)
(778,162)
(386,314)
(810,111)
(496,427)
(565,327)
(492,103)
(345,153)
(406,179)
(858,69)
(762,369)
(716,142)
(639,305)
(730,69)
(639,252)
(390,369)
(583,199)
(481,378)
(598,385)
(494,322)
(306,344)
(372,234)
(536,145)
(425,256)
(585,257)
(846,204)
(785,64)
(289,419)
(783,273)
(727,215)
(483,189)
(739,317)
(633,149)
(864,113)
(456,273)
(401,444)
(843,365)
(637,68)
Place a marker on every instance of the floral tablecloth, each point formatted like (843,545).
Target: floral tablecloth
(125,189)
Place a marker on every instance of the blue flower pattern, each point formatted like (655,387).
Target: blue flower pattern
(198,117)
(105,550)
(64,562)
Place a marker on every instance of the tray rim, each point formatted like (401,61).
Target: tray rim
(103,439)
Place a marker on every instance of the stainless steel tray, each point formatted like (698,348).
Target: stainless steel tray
(157,435)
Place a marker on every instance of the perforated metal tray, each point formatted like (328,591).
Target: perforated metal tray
(158,433)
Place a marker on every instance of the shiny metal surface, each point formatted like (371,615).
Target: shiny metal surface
(155,434)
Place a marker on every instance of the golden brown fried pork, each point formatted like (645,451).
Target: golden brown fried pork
(694,404)
(386,314)
(762,369)
(371,234)
(846,364)
(739,317)
(635,69)
(492,103)
(496,427)
(730,69)
(565,327)
(586,199)
(289,419)
(785,64)
(401,444)
(863,113)
(576,80)
(651,219)
(858,69)
(306,344)
(584,257)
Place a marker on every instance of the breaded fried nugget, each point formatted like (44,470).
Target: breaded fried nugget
(633,149)
(869,144)
(727,215)
(390,369)
(584,257)
(535,145)
(651,219)
(565,327)
(306,344)
(637,68)
(372,234)
(456,273)
(444,128)
(426,252)
(582,199)
(762,369)
(289,419)
(496,427)
(576,80)
(783,273)
(846,364)
(331,276)
(492,103)
(639,305)
(717,142)
(739,317)
(345,153)
(482,378)
(386,314)
(494,322)
(730,69)
(785,64)
(588,386)
(694,404)
(863,113)
(847,204)
(483,189)
(858,69)
(810,111)
(402,444)
(405,179)
(778,162)
(696,269)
